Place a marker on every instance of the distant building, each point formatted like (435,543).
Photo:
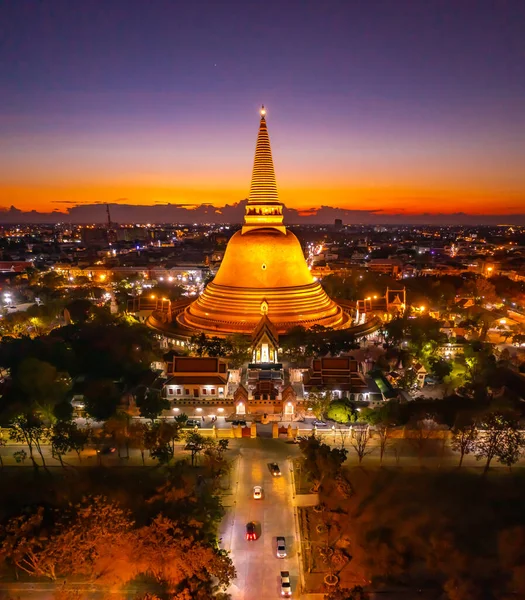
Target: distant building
(94,236)
(421,373)
(389,266)
(14,266)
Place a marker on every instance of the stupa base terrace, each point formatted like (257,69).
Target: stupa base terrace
(170,323)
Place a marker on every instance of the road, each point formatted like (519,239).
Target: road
(258,568)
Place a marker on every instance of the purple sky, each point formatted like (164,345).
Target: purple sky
(396,106)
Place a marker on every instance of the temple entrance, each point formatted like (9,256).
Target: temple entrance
(288,408)
(265,353)
(240,409)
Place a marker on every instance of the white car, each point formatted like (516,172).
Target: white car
(281,547)
(286,586)
(257,492)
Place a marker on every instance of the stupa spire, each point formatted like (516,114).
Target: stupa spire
(263,209)
(263,187)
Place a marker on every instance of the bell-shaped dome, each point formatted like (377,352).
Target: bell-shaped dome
(263,269)
(263,258)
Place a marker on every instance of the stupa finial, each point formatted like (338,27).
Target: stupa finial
(263,111)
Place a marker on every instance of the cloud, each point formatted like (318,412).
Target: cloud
(122,212)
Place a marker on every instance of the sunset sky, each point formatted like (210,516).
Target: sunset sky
(401,106)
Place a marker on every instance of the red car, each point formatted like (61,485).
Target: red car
(250,532)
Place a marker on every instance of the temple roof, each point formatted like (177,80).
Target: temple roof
(265,326)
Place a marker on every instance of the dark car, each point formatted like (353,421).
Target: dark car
(250,532)
(107,450)
(241,423)
(319,423)
(274,468)
(193,423)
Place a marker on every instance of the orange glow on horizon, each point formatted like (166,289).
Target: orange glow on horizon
(388,199)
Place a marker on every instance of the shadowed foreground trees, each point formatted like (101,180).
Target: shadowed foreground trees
(455,534)
(98,541)
(355,593)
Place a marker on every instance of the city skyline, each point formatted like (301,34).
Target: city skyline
(385,113)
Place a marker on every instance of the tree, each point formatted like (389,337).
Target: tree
(384,432)
(158,442)
(41,385)
(195,443)
(384,418)
(359,442)
(480,363)
(198,344)
(137,436)
(240,347)
(321,461)
(215,459)
(395,330)
(180,560)
(116,427)
(419,432)
(172,429)
(66,437)
(96,540)
(408,379)
(24,545)
(96,536)
(151,403)
(102,399)
(499,438)
(3,444)
(53,280)
(340,411)
(31,430)
(79,310)
(319,402)
(464,436)
(440,367)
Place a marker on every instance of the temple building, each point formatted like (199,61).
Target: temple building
(263,271)
(265,342)
(196,379)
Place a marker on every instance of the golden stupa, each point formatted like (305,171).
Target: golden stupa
(263,271)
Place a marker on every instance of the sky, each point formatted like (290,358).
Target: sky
(397,108)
